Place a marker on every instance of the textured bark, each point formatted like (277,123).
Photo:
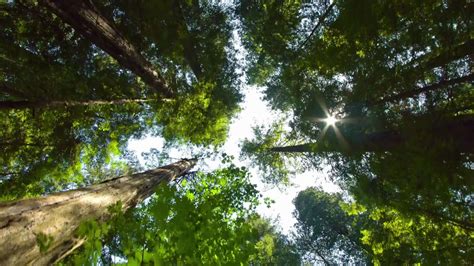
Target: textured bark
(84,17)
(25,104)
(57,216)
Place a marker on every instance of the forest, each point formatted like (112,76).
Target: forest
(374,97)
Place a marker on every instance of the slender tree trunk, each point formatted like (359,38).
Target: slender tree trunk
(56,217)
(25,104)
(84,17)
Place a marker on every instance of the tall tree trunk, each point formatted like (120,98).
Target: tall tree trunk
(457,132)
(56,217)
(25,104)
(84,17)
(381,141)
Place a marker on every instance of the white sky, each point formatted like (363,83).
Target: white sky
(254,112)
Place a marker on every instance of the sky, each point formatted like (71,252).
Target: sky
(255,111)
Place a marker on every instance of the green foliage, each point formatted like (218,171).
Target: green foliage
(46,151)
(325,233)
(43,60)
(195,53)
(91,231)
(271,164)
(400,76)
(268,29)
(273,248)
(396,237)
(328,227)
(198,117)
(369,69)
(205,220)
(277,166)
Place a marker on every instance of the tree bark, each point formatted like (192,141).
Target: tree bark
(57,216)
(84,17)
(25,104)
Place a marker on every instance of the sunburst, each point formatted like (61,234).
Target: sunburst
(331,120)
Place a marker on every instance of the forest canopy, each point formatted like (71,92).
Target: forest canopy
(375,95)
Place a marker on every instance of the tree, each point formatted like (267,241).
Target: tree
(332,230)
(45,150)
(400,76)
(272,165)
(195,45)
(456,132)
(273,247)
(44,59)
(325,233)
(42,230)
(397,237)
(351,63)
(84,17)
(217,83)
(47,64)
(206,218)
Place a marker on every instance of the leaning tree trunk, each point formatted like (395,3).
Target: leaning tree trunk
(84,17)
(56,217)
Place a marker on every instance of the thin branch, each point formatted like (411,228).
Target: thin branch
(320,22)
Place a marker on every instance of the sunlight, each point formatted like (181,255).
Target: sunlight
(331,120)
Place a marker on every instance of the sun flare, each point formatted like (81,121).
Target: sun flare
(331,120)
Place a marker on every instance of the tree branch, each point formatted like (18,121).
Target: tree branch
(320,22)
(432,87)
